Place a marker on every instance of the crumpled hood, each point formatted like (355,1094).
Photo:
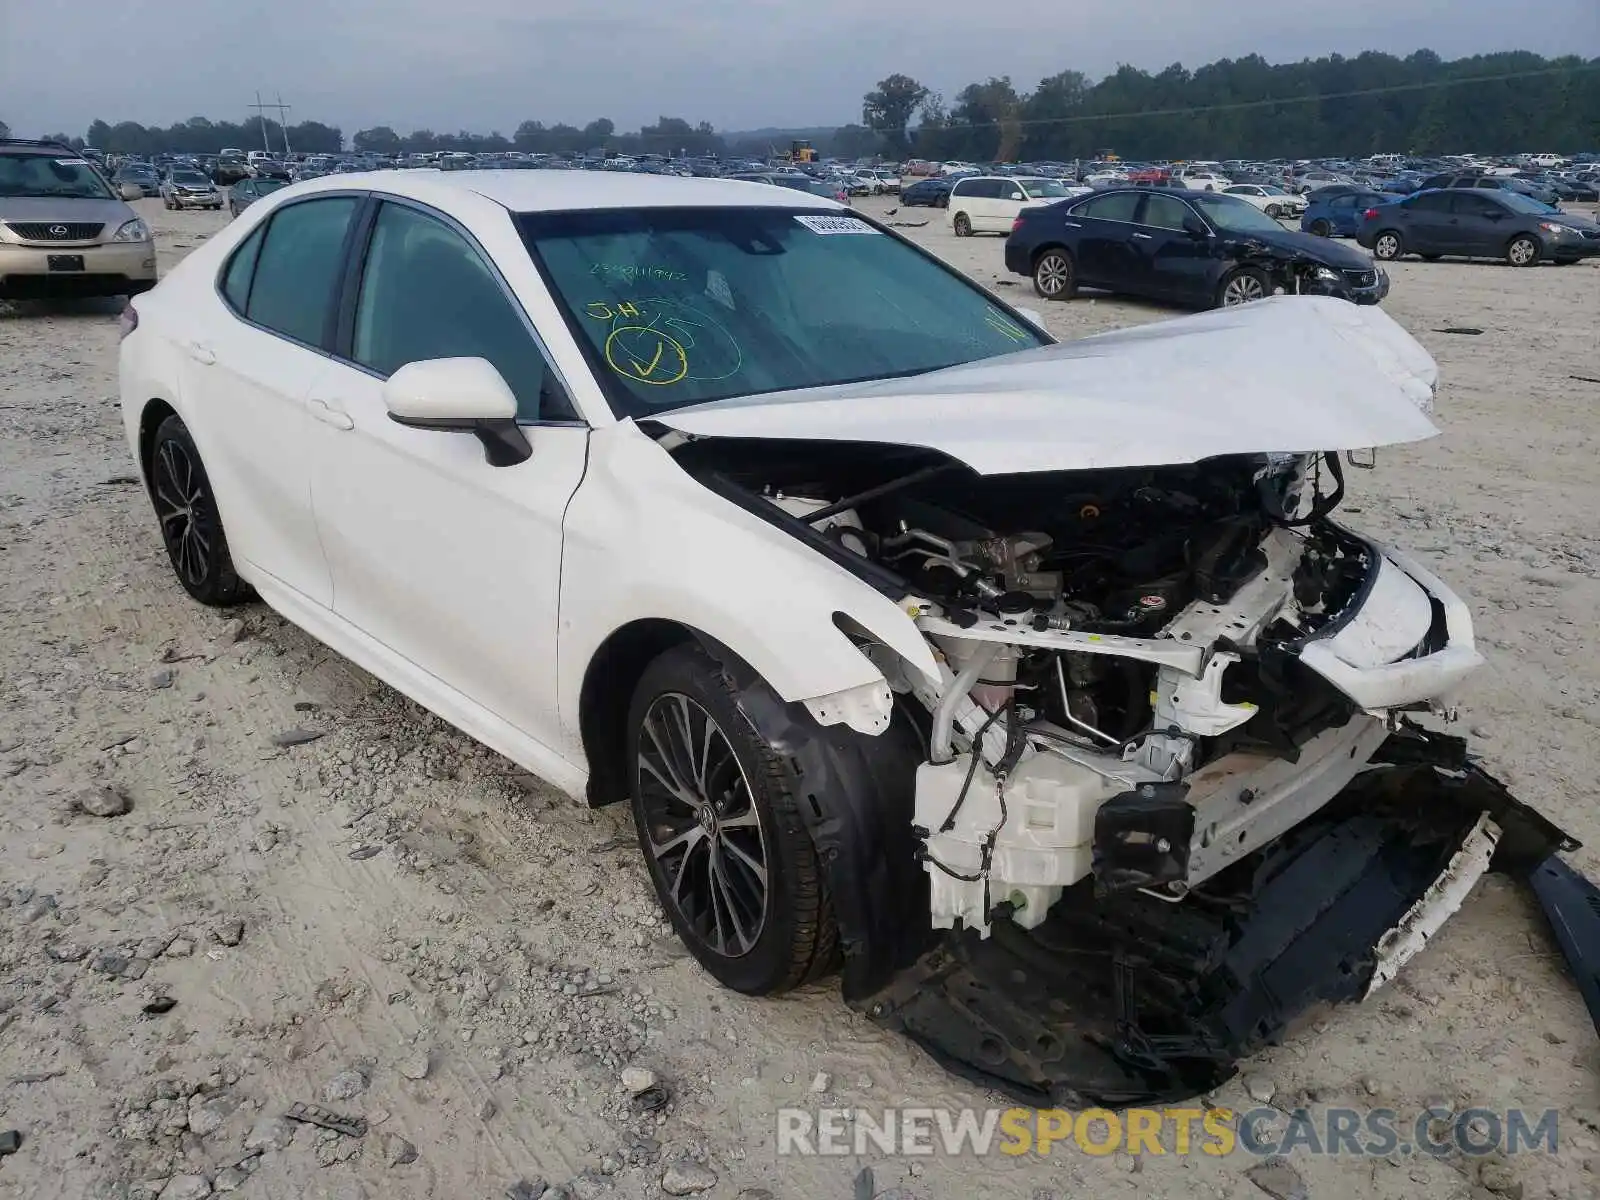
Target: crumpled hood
(1288,374)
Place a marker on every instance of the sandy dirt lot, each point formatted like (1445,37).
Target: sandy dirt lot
(392,922)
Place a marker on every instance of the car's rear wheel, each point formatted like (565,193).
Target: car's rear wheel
(1321,228)
(191,526)
(1388,246)
(722,832)
(1523,251)
(1274,211)
(1054,276)
(962,224)
(1243,286)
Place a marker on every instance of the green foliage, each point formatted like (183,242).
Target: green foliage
(887,109)
(200,135)
(1250,108)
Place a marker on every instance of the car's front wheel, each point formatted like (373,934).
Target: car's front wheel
(191,526)
(1243,286)
(1054,276)
(1523,251)
(722,832)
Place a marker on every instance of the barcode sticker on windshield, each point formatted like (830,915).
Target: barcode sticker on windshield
(828,224)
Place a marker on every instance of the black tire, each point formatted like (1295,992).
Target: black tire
(794,938)
(1388,245)
(962,224)
(191,526)
(1055,275)
(1243,286)
(1274,211)
(1524,251)
(1320,228)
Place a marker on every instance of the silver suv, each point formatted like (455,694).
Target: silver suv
(63,231)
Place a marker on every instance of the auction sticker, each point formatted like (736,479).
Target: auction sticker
(830,224)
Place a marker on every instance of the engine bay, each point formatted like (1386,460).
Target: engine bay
(1120,652)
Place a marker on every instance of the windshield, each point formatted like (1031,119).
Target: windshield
(43,175)
(1043,187)
(678,306)
(190,178)
(1233,215)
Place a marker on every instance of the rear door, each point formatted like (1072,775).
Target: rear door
(1102,229)
(1428,228)
(248,373)
(1478,223)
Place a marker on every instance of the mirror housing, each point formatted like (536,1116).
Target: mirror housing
(130,191)
(459,395)
(1193,227)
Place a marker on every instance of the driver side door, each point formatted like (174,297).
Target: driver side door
(450,564)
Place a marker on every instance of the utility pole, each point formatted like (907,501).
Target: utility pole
(261,113)
(283,122)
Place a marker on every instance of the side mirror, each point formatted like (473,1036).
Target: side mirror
(459,394)
(131,191)
(1195,229)
(1016,195)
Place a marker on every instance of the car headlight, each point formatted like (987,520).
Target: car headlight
(133,231)
(1327,273)
(1552,228)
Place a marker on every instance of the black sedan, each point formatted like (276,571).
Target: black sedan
(1476,223)
(931,193)
(1197,248)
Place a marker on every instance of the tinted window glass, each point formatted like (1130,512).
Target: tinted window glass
(1119,206)
(427,293)
(236,280)
(298,267)
(1164,212)
(1470,204)
(1342,202)
(1431,202)
(1487,182)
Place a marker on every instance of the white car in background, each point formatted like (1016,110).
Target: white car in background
(1201,181)
(1269,198)
(895,623)
(990,203)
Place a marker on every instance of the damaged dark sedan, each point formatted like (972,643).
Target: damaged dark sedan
(1201,249)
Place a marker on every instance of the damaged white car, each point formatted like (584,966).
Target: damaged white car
(1036,685)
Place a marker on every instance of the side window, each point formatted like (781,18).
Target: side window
(1164,212)
(1342,202)
(240,270)
(1118,206)
(427,293)
(965,187)
(1470,205)
(1430,202)
(297,268)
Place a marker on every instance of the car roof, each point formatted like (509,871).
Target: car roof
(558,191)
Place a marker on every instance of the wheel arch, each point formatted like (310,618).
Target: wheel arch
(155,411)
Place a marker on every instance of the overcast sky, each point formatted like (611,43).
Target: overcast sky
(740,64)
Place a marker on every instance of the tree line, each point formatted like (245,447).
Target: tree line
(1250,108)
(1247,107)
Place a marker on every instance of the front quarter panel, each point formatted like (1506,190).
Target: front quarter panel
(644,541)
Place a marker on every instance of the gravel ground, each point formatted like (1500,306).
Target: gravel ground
(201,924)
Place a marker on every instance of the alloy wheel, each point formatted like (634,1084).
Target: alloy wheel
(1242,289)
(702,826)
(182,507)
(1522,252)
(1387,246)
(1053,275)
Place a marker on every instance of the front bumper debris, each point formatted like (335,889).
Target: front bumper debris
(1128,998)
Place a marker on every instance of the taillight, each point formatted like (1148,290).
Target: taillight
(1016,222)
(128,321)
(1369,214)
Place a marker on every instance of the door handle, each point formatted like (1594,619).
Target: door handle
(1143,237)
(1072,224)
(329,413)
(202,354)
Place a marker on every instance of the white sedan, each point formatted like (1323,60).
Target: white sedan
(1269,198)
(884,613)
